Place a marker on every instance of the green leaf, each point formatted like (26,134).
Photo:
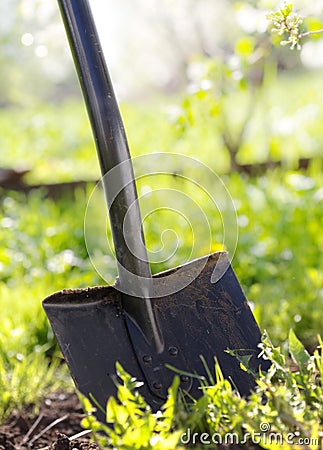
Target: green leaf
(169,406)
(286,11)
(297,351)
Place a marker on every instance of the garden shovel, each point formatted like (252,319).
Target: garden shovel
(178,320)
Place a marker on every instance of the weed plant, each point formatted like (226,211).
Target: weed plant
(284,410)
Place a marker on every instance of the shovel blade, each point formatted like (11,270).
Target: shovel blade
(205,318)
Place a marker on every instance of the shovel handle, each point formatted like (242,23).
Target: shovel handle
(112,149)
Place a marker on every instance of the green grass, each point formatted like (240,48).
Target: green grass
(278,263)
(26,378)
(42,249)
(278,258)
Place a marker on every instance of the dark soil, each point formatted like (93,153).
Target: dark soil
(56,426)
(53,427)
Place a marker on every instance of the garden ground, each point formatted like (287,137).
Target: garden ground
(57,419)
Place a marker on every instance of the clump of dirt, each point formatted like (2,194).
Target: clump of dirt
(56,426)
(64,443)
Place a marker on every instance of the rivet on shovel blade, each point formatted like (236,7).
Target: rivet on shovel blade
(173,351)
(184,378)
(147,359)
(157,385)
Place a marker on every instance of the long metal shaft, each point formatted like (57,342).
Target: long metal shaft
(113,151)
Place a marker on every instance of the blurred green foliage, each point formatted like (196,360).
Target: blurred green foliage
(277,259)
(278,255)
(53,140)
(39,254)
(240,107)
(282,123)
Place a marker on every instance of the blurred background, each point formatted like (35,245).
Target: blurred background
(192,61)
(150,46)
(201,78)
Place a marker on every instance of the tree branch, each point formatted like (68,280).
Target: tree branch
(309,33)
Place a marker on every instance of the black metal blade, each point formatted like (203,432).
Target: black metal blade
(202,319)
